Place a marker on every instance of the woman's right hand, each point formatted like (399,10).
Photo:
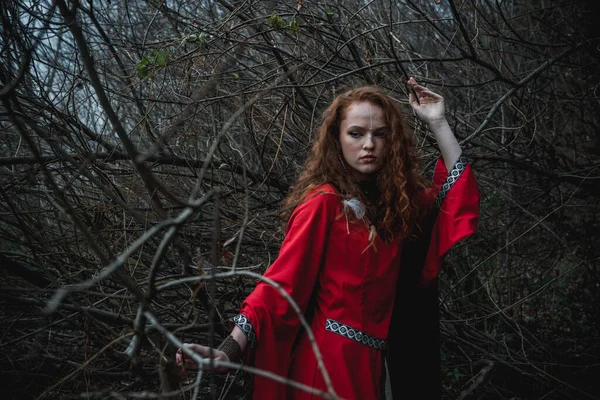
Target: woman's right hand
(203,351)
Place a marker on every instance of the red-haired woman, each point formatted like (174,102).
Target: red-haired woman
(353,213)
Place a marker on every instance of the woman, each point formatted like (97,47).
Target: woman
(359,199)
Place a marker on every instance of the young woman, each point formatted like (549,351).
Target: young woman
(358,203)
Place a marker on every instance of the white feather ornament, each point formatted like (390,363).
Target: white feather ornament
(356,206)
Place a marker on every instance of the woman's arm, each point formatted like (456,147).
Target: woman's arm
(239,336)
(430,109)
(223,353)
(295,270)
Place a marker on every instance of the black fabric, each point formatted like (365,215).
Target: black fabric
(414,341)
(370,190)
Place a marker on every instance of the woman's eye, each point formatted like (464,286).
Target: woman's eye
(354,134)
(380,134)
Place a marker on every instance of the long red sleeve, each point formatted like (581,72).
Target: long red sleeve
(458,199)
(296,268)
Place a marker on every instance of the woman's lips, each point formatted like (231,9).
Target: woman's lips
(368,158)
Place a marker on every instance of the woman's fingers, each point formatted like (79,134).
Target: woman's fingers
(412,100)
(428,106)
(423,93)
(204,352)
(416,87)
(182,358)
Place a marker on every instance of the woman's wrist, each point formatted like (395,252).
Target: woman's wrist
(438,125)
(239,337)
(446,141)
(231,348)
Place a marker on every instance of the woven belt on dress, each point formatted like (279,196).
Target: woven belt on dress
(354,334)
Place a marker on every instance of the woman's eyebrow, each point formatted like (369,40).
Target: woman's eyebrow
(360,127)
(356,127)
(381,128)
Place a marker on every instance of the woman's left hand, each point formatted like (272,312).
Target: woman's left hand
(430,107)
(204,352)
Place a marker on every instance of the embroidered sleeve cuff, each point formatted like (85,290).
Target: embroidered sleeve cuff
(453,176)
(244,324)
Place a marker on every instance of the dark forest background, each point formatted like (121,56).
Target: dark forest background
(147,144)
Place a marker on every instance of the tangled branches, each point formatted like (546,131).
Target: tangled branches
(146,143)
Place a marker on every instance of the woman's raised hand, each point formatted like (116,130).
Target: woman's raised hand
(203,351)
(430,107)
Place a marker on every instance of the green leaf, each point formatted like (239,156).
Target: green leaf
(456,375)
(160,57)
(142,67)
(275,21)
(157,58)
(199,38)
(293,27)
(329,13)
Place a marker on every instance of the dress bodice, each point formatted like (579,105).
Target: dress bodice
(356,283)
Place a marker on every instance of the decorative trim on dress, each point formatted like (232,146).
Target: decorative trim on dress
(455,173)
(354,334)
(244,324)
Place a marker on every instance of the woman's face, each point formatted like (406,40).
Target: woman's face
(363,134)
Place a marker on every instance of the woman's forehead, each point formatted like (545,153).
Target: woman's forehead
(364,113)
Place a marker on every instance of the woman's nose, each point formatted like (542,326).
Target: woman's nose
(369,143)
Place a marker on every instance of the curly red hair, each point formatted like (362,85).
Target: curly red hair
(400,180)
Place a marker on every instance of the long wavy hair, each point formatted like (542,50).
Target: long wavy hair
(400,180)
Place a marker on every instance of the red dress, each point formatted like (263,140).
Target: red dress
(345,287)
